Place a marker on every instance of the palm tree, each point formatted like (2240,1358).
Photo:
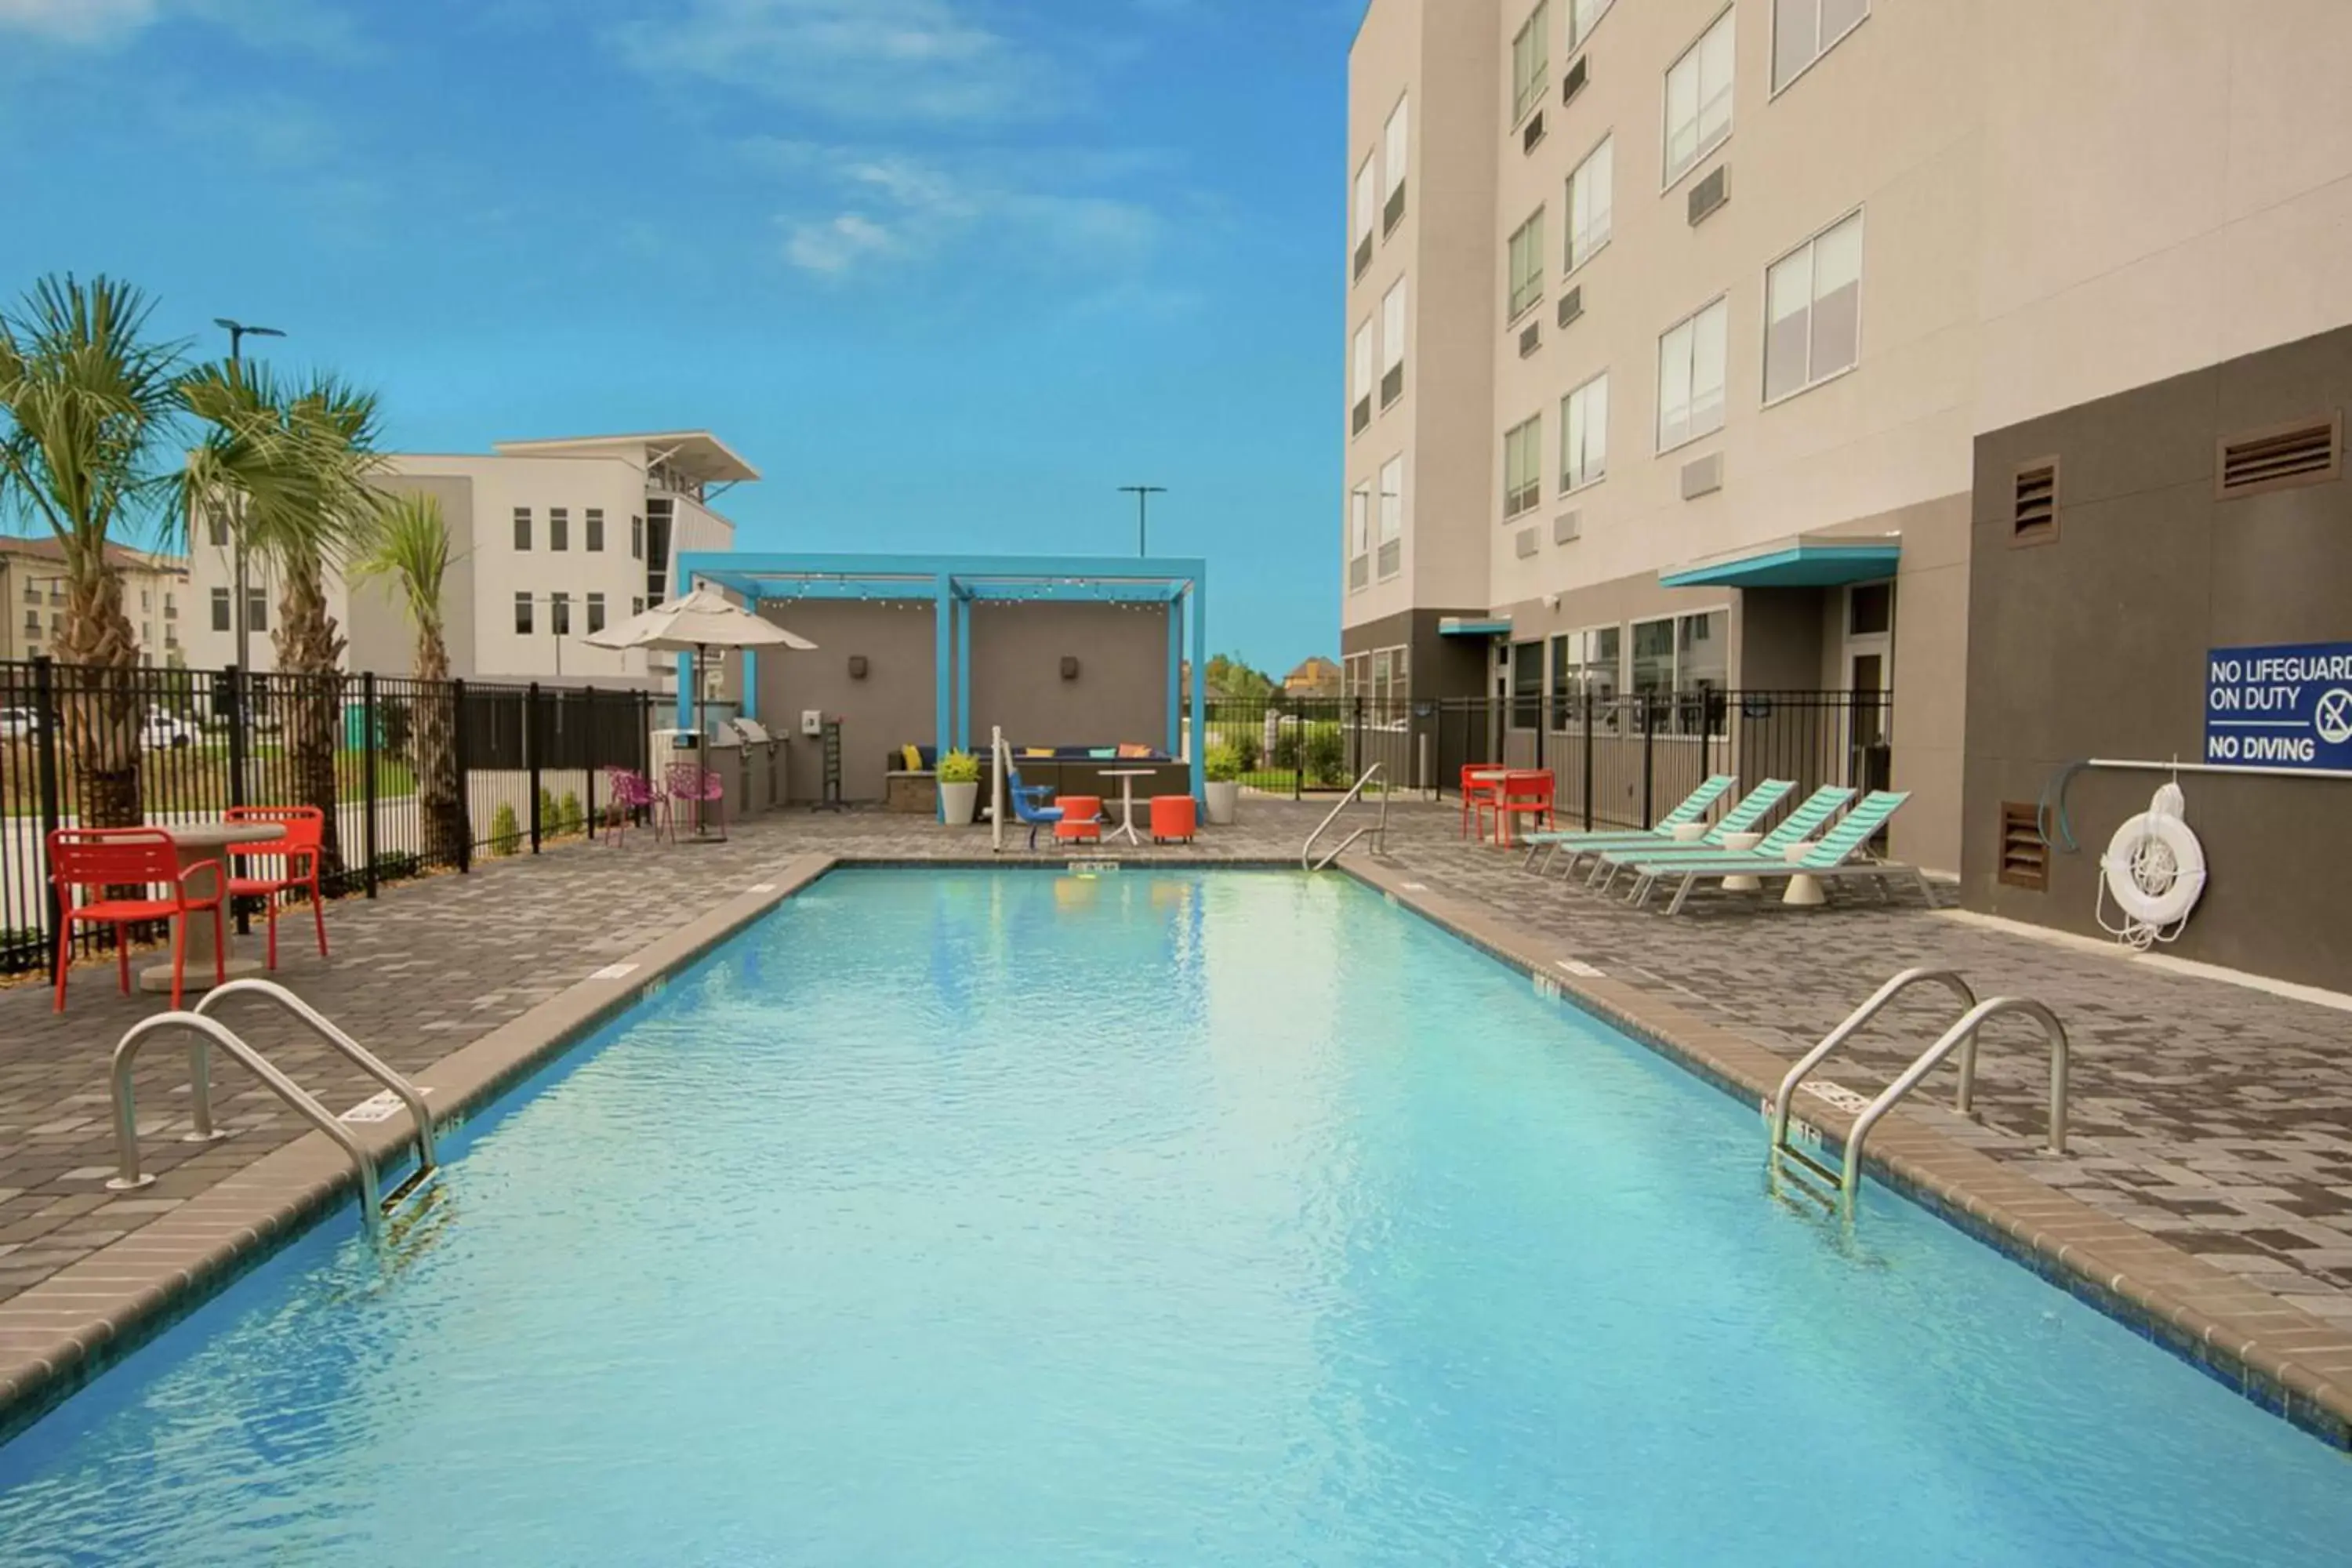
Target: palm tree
(89,406)
(410,552)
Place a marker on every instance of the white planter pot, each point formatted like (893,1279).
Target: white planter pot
(958,802)
(1224,800)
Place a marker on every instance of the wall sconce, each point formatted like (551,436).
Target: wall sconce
(857,666)
(1069,668)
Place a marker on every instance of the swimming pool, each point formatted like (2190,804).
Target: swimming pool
(1214,1217)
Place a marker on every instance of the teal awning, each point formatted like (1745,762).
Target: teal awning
(1809,562)
(1473,626)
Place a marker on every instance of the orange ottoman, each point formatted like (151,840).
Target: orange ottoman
(1081,820)
(1172,817)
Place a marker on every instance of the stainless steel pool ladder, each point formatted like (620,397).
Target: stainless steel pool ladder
(1378,832)
(1962,1036)
(205,1031)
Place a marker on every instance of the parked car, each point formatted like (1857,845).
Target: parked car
(19,724)
(166,731)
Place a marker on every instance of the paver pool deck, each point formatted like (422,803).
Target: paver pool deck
(2211,1157)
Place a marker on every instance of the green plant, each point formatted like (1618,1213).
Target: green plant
(550,822)
(506,833)
(569,817)
(410,552)
(1283,755)
(959,768)
(1222,764)
(1326,754)
(1245,747)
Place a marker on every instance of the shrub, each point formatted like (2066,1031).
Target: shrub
(569,817)
(506,835)
(959,768)
(396,725)
(1285,754)
(1245,749)
(1327,755)
(1222,764)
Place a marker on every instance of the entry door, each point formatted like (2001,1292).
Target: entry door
(1869,660)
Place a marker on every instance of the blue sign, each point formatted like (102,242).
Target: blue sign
(2284,707)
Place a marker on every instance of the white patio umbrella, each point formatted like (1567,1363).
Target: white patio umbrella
(702,620)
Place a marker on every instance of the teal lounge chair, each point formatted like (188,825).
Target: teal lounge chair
(1809,818)
(1832,859)
(1694,808)
(1750,809)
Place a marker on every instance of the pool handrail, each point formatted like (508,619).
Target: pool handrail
(1306,849)
(1962,1036)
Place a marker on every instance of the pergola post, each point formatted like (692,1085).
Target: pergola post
(1176,672)
(963,674)
(1200,597)
(943,670)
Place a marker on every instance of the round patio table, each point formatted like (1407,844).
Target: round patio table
(1127,778)
(199,844)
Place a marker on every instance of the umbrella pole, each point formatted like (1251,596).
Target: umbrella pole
(701,743)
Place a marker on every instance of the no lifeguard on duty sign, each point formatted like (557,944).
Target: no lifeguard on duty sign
(2284,707)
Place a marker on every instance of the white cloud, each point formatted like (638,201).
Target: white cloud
(834,246)
(867,60)
(76,21)
(301,26)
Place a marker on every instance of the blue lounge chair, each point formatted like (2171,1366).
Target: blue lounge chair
(1029,804)
(1751,809)
(1831,859)
(1694,808)
(1800,824)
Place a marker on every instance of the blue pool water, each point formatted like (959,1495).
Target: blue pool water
(1208,1218)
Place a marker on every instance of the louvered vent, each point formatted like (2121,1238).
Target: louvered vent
(2024,854)
(2034,514)
(1710,194)
(1572,305)
(1533,134)
(1530,338)
(2308,453)
(1568,527)
(1573,82)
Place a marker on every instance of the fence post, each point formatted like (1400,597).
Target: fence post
(588,756)
(1649,755)
(530,737)
(240,762)
(367,775)
(1586,700)
(457,694)
(44,747)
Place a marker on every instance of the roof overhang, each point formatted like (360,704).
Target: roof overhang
(1473,626)
(697,454)
(1000,579)
(1798,561)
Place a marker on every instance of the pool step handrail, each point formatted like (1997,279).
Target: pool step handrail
(205,1031)
(1960,1037)
(1378,832)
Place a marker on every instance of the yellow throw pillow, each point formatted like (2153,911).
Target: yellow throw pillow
(913,757)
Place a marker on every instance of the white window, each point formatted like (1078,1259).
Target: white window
(1531,60)
(559,613)
(1359,536)
(1527,264)
(522,614)
(1805,30)
(1367,199)
(1392,517)
(1585,673)
(596,614)
(1690,376)
(1681,669)
(1589,194)
(1812,309)
(596,529)
(522,527)
(558,528)
(1522,468)
(1396,145)
(1392,346)
(1583,16)
(1360,390)
(1698,100)
(1584,435)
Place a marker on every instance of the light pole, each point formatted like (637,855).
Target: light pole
(1142,494)
(237,333)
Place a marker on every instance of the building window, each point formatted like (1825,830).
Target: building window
(1360,537)
(33,623)
(1396,147)
(1391,555)
(558,528)
(1361,401)
(559,613)
(146,598)
(1812,308)
(1530,61)
(596,614)
(1583,16)
(1584,435)
(1589,192)
(522,527)
(1526,265)
(637,539)
(1584,674)
(257,611)
(595,530)
(1522,468)
(1392,346)
(220,610)
(1690,377)
(1367,199)
(1681,667)
(216,528)
(1526,684)
(522,614)
(1805,30)
(1698,100)
(637,606)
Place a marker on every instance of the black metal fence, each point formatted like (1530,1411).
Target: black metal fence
(412,775)
(1616,761)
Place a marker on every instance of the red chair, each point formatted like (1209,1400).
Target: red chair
(1523,792)
(1477,795)
(143,857)
(296,850)
(1173,817)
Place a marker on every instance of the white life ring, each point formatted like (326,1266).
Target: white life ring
(2155,868)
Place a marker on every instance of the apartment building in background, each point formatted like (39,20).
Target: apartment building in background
(33,591)
(1847,346)
(549,540)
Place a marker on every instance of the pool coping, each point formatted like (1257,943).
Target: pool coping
(2284,1360)
(59,1335)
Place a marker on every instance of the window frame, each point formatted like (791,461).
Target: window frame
(1390,362)
(1599,378)
(1669,178)
(1392,178)
(1537,270)
(1576,40)
(1531,430)
(591,528)
(1764,366)
(1362,360)
(1676,698)
(522,530)
(596,614)
(1571,263)
(523,621)
(1528,94)
(1388,521)
(559,530)
(1359,535)
(1556,692)
(1821,49)
(223,610)
(1367,201)
(1658,413)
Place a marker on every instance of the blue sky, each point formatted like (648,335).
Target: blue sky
(947,271)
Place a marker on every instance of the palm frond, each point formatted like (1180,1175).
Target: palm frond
(411,550)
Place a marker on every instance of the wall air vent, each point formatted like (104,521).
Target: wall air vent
(1524,543)
(2033,515)
(1702,476)
(1533,134)
(1573,82)
(1568,528)
(1572,305)
(1530,338)
(2024,853)
(1710,194)
(2308,452)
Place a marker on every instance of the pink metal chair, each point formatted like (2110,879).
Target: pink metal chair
(628,792)
(691,783)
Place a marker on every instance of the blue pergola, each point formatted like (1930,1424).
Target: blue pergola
(956,582)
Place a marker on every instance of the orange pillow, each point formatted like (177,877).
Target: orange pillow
(1131,751)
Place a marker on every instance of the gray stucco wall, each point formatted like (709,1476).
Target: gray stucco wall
(2094,644)
(893,705)
(1121,690)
